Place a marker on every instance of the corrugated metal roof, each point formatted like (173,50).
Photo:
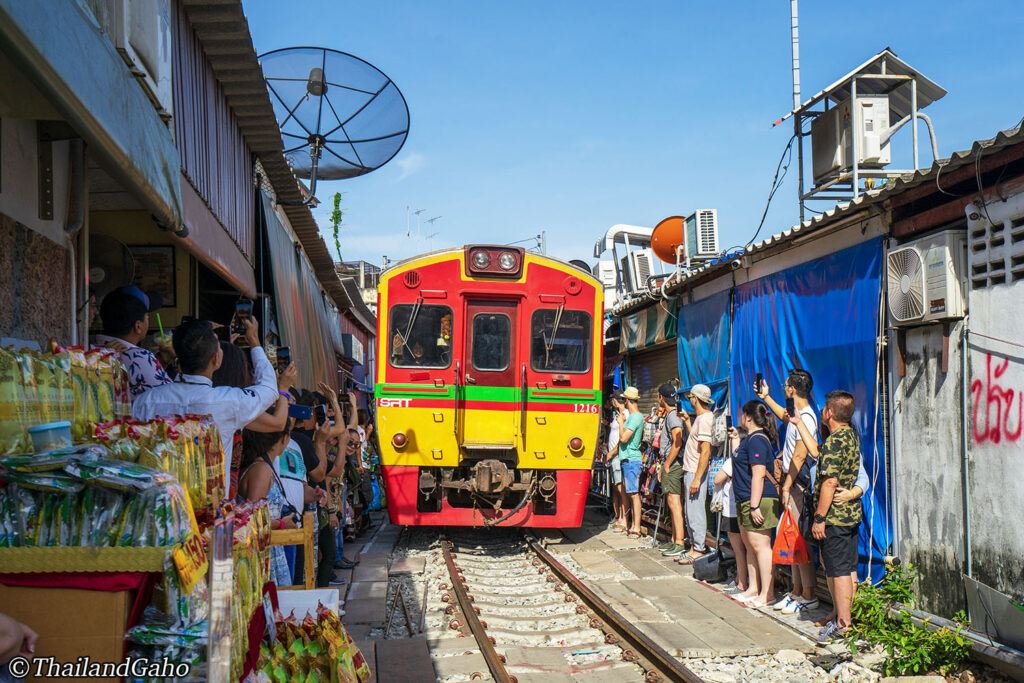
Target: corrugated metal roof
(223,31)
(887,62)
(894,186)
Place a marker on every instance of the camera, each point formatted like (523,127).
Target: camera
(320,413)
(284,357)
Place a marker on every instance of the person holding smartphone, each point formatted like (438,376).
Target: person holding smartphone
(793,471)
(615,465)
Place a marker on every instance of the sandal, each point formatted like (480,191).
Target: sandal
(633,534)
(690,558)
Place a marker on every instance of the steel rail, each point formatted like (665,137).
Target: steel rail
(494,663)
(665,664)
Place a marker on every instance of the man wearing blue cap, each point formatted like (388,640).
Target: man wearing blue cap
(125,314)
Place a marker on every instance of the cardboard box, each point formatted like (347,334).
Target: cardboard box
(71,623)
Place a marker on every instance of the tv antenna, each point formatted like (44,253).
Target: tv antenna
(340,117)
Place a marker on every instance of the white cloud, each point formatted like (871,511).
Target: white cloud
(409,164)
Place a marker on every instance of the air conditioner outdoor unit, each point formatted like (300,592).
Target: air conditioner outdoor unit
(141,32)
(833,138)
(707,232)
(926,279)
(641,267)
(606,273)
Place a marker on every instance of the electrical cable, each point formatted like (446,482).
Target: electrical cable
(776,183)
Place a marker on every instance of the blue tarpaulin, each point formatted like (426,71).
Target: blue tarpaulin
(821,316)
(703,340)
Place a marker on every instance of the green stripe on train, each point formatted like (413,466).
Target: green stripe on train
(498,394)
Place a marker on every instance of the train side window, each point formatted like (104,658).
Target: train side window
(420,335)
(560,340)
(492,333)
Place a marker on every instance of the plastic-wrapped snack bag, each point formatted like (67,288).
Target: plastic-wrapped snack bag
(47,387)
(13,434)
(5,515)
(84,405)
(107,527)
(31,408)
(60,359)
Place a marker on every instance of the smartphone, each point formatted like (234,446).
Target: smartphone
(728,422)
(320,413)
(284,357)
(297,412)
(790,407)
(243,311)
(758,379)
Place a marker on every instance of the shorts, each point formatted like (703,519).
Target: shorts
(796,501)
(839,550)
(616,468)
(731,525)
(673,481)
(770,508)
(631,475)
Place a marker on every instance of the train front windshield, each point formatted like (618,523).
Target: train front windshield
(421,336)
(560,341)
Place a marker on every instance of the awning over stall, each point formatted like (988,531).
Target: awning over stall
(62,49)
(647,328)
(308,323)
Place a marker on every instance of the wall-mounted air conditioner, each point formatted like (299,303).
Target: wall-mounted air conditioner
(833,138)
(640,266)
(926,279)
(141,32)
(702,232)
(605,272)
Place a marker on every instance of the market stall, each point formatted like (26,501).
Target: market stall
(121,529)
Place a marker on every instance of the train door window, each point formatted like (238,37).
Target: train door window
(560,340)
(420,336)
(492,334)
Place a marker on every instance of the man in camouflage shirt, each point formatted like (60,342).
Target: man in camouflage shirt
(836,525)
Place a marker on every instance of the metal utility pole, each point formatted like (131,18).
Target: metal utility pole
(794,32)
(544,242)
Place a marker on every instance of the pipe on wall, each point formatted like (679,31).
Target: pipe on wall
(965,474)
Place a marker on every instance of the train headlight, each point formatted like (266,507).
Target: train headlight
(481,259)
(576,444)
(507,261)
(398,440)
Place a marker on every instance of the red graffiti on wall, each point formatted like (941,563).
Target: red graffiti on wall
(998,402)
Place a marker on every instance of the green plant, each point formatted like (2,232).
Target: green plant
(881,616)
(336,222)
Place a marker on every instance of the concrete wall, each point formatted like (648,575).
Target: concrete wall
(996,411)
(926,452)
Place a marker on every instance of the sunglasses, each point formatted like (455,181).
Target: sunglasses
(352,443)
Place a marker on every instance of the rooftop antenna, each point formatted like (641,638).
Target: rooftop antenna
(430,238)
(340,117)
(417,213)
(794,32)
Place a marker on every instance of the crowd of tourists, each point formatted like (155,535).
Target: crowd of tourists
(302,450)
(688,458)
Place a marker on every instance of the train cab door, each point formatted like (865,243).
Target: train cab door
(490,376)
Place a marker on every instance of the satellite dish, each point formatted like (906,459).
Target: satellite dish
(668,237)
(582,265)
(340,117)
(111,265)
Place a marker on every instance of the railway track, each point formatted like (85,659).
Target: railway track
(511,594)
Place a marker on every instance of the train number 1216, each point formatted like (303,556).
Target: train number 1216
(591,408)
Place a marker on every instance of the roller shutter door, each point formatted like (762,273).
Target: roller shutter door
(648,370)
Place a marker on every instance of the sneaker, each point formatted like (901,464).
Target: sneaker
(800,605)
(675,551)
(666,546)
(830,633)
(785,602)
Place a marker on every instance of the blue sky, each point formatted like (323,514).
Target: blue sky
(570,117)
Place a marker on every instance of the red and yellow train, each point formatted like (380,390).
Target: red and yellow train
(488,387)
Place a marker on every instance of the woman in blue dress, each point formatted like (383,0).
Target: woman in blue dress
(259,481)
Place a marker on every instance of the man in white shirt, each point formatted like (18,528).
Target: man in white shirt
(794,455)
(199,355)
(696,456)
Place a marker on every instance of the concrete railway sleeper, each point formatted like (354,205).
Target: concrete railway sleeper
(527,602)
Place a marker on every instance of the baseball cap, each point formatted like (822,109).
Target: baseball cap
(631,394)
(151,300)
(667,391)
(701,392)
(125,306)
